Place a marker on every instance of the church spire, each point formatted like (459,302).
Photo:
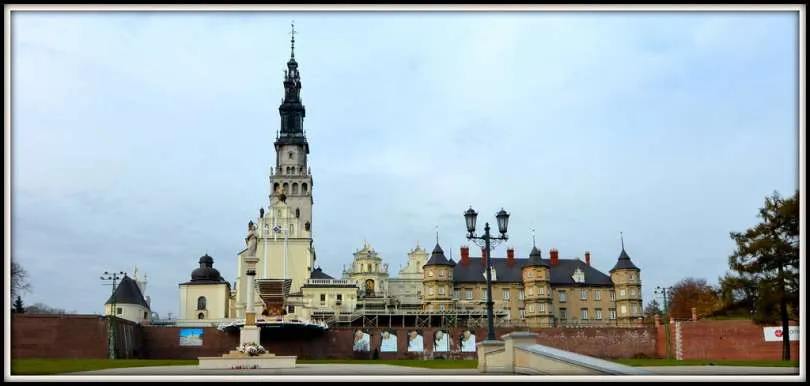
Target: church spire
(291,109)
(292,40)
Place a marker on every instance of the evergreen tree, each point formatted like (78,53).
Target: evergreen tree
(765,264)
(18,305)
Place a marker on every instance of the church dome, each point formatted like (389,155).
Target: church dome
(206,271)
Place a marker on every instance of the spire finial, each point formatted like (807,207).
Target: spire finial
(621,236)
(437,235)
(292,39)
(534,244)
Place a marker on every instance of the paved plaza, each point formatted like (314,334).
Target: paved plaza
(388,370)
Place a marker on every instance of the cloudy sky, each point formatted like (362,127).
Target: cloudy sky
(146,138)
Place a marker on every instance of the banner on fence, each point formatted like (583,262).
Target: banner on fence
(774,334)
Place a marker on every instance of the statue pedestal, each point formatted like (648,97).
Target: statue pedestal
(239,360)
(249,334)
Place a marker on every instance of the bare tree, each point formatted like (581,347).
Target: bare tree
(19,279)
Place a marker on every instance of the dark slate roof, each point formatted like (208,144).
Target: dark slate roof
(437,258)
(473,272)
(624,262)
(536,259)
(317,273)
(127,292)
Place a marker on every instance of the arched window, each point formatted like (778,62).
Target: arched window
(285,187)
(304,188)
(297,213)
(275,187)
(201,303)
(369,267)
(295,188)
(201,316)
(301,170)
(290,154)
(307,226)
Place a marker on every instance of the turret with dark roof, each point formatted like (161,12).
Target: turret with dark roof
(624,261)
(206,273)
(438,258)
(127,292)
(536,259)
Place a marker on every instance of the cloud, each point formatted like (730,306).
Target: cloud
(146,138)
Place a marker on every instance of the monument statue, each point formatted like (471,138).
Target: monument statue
(251,239)
(261,212)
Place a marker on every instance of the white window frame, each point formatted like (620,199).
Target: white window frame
(506,293)
(468,294)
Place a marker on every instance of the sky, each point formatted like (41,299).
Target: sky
(146,139)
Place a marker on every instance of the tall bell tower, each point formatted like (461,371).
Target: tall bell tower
(291,180)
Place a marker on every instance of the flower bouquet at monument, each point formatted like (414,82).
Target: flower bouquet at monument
(251,348)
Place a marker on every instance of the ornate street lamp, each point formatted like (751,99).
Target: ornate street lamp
(666,292)
(113,277)
(470,217)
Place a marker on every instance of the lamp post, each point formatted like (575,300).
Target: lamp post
(113,277)
(489,241)
(666,292)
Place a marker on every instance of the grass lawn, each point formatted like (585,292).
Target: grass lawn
(429,364)
(60,366)
(702,362)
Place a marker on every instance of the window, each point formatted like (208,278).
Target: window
(541,291)
(290,155)
(624,309)
(297,211)
(430,273)
(578,276)
(441,273)
(530,274)
(522,313)
(456,294)
(632,292)
(597,295)
(484,295)
(612,314)
(506,294)
(201,316)
(531,291)
(563,314)
(562,296)
(441,307)
(542,308)
(201,303)
(430,291)
(119,310)
(521,295)
(323,299)
(441,291)
(530,308)
(634,307)
(583,314)
(622,292)
(583,294)
(339,299)
(612,295)
(468,294)
(598,313)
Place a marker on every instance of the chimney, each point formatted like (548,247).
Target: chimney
(587,258)
(657,320)
(465,255)
(555,256)
(510,256)
(694,314)
(484,256)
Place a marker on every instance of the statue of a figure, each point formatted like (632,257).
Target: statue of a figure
(251,239)
(261,212)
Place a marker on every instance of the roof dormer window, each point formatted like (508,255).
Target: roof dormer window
(578,276)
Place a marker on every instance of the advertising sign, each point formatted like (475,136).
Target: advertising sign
(774,334)
(191,337)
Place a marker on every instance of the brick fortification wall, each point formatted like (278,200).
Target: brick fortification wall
(163,342)
(723,340)
(85,336)
(70,336)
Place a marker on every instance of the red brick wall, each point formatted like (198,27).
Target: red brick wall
(726,339)
(58,336)
(85,336)
(164,343)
